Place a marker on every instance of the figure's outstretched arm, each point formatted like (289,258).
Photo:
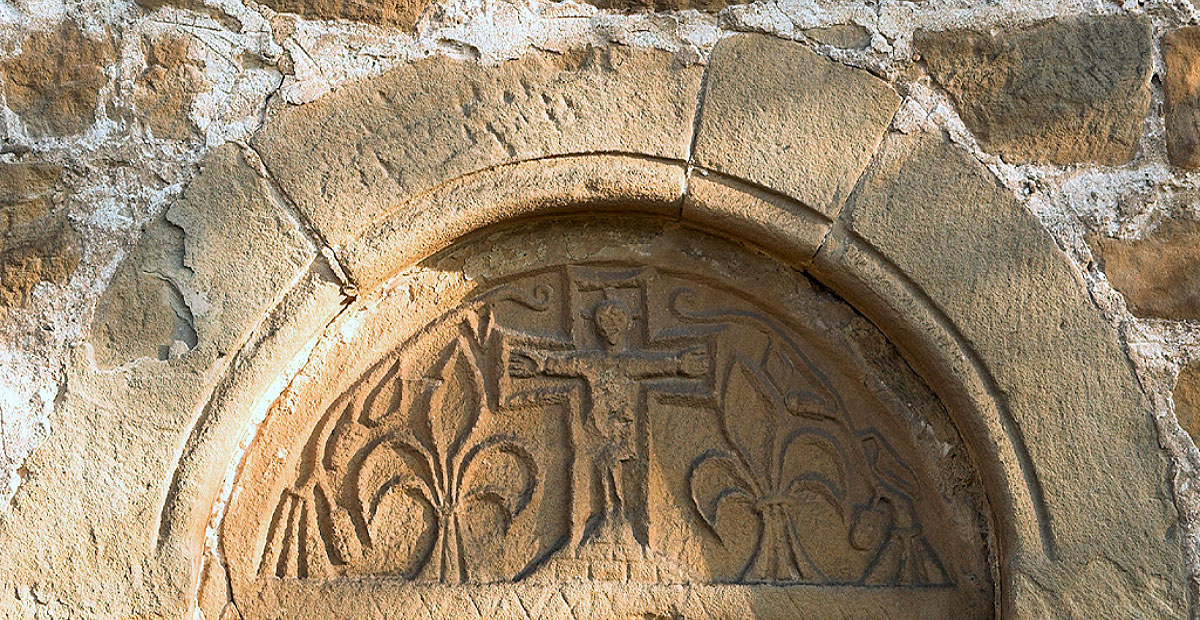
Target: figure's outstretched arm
(688,363)
(524,364)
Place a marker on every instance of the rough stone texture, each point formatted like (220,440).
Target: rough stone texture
(939,216)
(774,223)
(1187,399)
(155,4)
(37,243)
(1181,94)
(778,114)
(165,89)
(1069,91)
(1159,275)
(206,272)
(354,156)
(54,84)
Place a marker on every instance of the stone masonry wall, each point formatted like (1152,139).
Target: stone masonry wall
(1087,110)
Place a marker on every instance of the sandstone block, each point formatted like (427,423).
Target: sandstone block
(1159,275)
(36,243)
(846,36)
(562,185)
(780,115)
(1181,89)
(54,84)
(1074,90)
(164,91)
(399,13)
(351,157)
(1187,399)
(206,272)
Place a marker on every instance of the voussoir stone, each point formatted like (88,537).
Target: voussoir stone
(1181,90)
(942,219)
(1159,275)
(780,115)
(54,83)
(206,272)
(1073,90)
(351,157)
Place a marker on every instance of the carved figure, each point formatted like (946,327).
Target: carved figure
(611,375)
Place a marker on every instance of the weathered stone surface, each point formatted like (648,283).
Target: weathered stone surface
(351,157)
(1159,275)
(399,13)
(164,92)
(36,243)
(846,36)
(943,220)
(1181,91)
(54,84)
(1187,399)
(206,272)
(90,501)
(780,115)
(143,313)
(1067,91)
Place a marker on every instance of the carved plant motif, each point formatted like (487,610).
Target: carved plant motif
(772,469)
(443,473)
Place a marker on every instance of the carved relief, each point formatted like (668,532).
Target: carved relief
(419,468)
(609,437)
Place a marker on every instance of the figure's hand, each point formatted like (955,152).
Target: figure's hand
(694,362)
(522,364)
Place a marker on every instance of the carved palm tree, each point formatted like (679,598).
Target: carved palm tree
(445,472)
(772,469)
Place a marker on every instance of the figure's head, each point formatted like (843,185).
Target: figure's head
(613,319)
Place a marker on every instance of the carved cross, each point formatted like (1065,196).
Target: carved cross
(613,396)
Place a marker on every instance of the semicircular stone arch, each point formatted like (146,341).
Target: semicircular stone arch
(945,412)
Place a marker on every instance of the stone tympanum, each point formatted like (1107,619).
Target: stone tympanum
(614,420)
